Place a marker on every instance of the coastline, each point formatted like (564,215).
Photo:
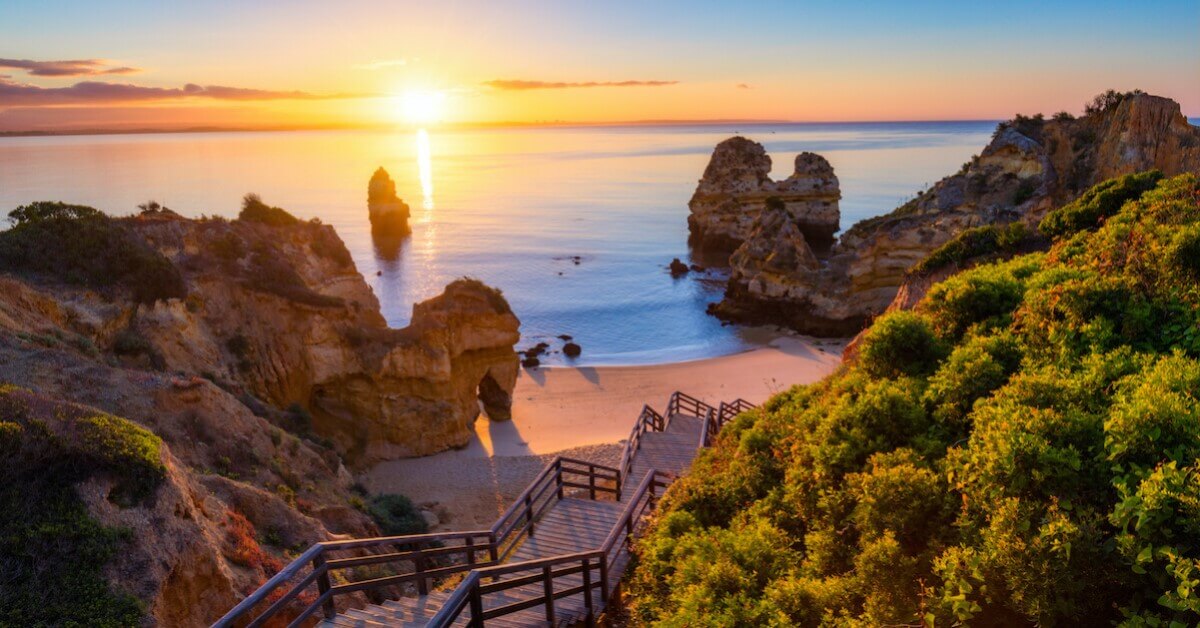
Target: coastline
(585,412)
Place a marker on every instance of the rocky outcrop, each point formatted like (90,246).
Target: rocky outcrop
(275,373)
(1030,166)
(737,184)
(389,215)
(279,315)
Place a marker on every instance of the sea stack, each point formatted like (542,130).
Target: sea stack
(1030,166)
(735,189)
(389,214)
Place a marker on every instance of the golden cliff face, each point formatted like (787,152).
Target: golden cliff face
(275,373)
(1029,167)
(305,329)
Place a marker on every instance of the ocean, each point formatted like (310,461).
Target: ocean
(576,225)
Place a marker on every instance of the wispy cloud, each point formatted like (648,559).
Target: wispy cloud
(13,93)
(514,84)
(743,86)
(381,64)
(72,67)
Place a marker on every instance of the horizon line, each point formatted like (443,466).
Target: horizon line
(470,125)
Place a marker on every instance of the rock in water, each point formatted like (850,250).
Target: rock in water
(389,215)
(678,268)
(572,350)
(737,184)
(1031,166)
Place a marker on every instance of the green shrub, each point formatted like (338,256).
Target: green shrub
(396,515)
(974,243)
(979,299)
(54,552)
(131,452)
(80,245)
(1046,472)
(255,210)
(900,343)
(1098,203)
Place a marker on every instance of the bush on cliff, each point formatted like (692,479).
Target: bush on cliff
(1098,203)
(255,210)
(1042,469)
(81,245)
(973,244)
(54,552)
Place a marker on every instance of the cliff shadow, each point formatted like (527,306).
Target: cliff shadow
(507,440)
(589,373)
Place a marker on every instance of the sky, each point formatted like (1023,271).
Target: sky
(283,63)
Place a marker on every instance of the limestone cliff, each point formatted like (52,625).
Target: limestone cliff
(273,368)
(1030,166)
(737,184)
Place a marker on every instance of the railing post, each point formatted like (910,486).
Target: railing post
(529,513)
(592,481)
(419,564)
(558,478)
(476,606)
(620,472)
(548,586)
(604,578)
(323,586)
(587,590)
(493,549)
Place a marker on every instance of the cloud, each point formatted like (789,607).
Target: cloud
(513,84)
(381,64)
(743,86)
(74,67)
(13,93)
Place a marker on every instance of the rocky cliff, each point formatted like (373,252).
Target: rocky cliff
(737,184)
(269,367)
(1030,166)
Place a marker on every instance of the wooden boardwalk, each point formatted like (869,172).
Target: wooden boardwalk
(553,559)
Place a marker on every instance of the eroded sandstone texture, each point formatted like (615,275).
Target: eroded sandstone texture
(1029,167)
(737,184)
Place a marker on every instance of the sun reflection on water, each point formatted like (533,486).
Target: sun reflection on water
(425,172)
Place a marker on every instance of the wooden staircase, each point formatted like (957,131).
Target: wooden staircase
(552,559)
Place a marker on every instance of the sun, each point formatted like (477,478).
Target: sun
(422,107)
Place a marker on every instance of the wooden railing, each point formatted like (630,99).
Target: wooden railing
(718,417)
(309,583)
(551,572)
(518,521)
(648,421)
(317,577)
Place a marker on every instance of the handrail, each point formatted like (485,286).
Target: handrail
(471,590)
(497,542)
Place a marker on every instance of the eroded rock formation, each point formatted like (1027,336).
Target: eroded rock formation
(389,215)
(1030,166)
(275,373)
(737,184)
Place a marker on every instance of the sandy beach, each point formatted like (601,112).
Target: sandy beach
(585,412)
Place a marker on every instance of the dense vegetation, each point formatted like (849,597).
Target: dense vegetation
(81,245)
(974,243)
(1023,448)
(52,550)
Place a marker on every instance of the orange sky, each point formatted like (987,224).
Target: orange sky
(74,65)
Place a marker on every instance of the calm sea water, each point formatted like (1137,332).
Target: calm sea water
(513,207)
